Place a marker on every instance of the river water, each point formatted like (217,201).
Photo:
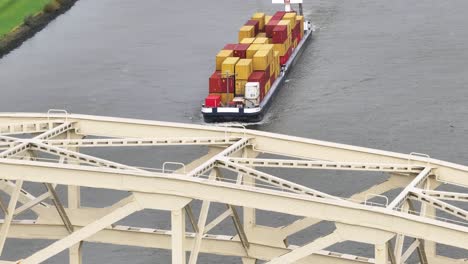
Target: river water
(391,75)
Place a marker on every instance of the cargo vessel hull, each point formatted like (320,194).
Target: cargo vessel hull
(231,114)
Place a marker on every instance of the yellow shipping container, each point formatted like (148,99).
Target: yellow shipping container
(261,40)
(229,66)
(272,68)
(260,60)
(286,23)
(244,68)
(277,62)
(252,49)
(300,19)
(240,87)
(270,49)
(267,19)
(280,48)
(247,41)
(221,56)
(261,35)
(288,44)
(291,17)
(295,43)
(266,46)
(225,97)
(246,32)
(260,17)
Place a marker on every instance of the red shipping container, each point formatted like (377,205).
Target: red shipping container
(224,84)
(254,23)
(278,15)
(259,76)
(298,37)
(296,30)
(219,85)
(270,26)
(272,80)
(280,34)
(229,47)
(284,59)
(241,50)
(213,100)
(214,84)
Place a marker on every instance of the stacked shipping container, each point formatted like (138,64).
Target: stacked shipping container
(265,44)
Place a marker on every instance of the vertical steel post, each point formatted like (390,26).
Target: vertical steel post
(74,198)
(381,254)
(429,247)
(201,224)
(74,202)
(178,236)
(249,213)
(400,239)
(10,213)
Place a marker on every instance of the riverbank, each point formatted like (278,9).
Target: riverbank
(21,19)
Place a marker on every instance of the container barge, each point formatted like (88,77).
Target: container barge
(249,73)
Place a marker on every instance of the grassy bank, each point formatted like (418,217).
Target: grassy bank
(13,12)
(15,28)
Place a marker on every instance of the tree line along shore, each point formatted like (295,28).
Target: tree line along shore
(21,19)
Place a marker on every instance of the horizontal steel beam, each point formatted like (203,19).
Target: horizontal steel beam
(327,165)
(28,127)
(283,185)
(393,182)
(438,204)
(158,238)
(264,142)
(222,192)
(26,144)
(133,142)
(82,158)
(449,196)
(307,154)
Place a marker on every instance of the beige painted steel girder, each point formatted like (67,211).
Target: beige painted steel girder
(83,233)
(449,196)
(395,181)
(438,204)
(306,250)
(17,128)
(208,165)
(159,190)
(82,158)
(284,185)
(327,165)
(264,142)
(270,200)
(401,198)
(26,144)
(133,142)
(159,238)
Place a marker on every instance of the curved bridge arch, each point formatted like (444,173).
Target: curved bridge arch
(232,151)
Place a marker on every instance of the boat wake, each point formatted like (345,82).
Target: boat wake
(266,120)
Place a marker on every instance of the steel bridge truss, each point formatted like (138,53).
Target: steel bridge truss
(45,149)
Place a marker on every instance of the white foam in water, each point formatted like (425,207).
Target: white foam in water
(266,119)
